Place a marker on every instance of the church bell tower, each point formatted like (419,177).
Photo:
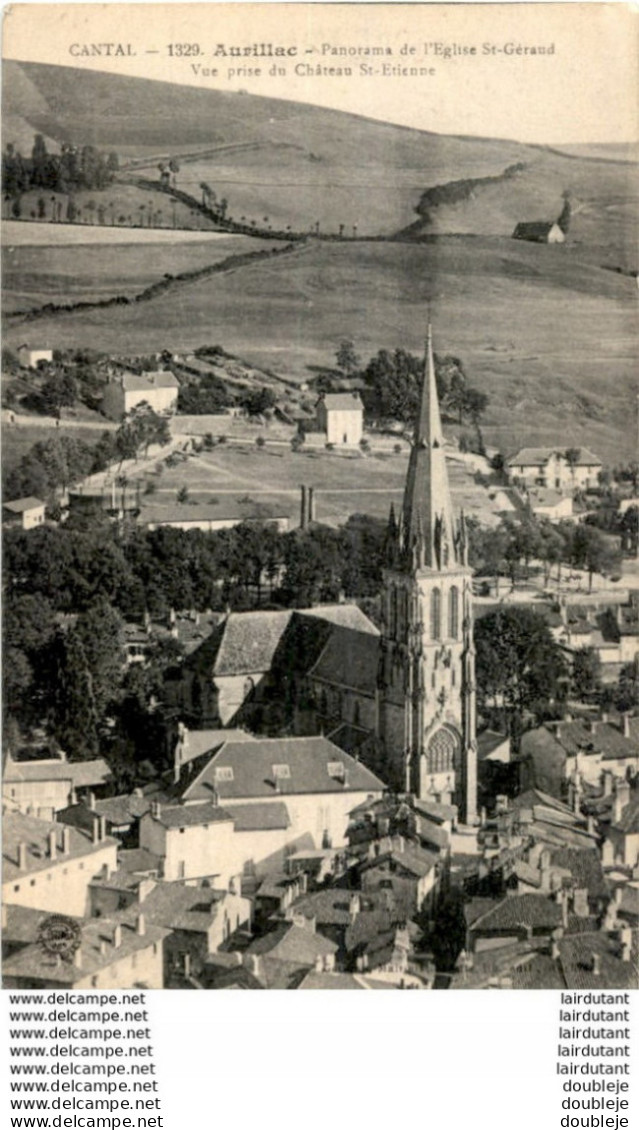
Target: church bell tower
(426,678)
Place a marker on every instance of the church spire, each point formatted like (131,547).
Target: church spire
(427,514)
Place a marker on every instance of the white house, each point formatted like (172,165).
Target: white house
(45,786)
(341,416)
(549,467)
(126,391)
(29,356)
(550,504)
(24,512)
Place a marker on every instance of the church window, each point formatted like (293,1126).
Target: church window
(453,612)
(435,614)
(441,751)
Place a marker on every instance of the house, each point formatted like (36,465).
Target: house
(126,391)
(623,833)
(118,953)
(550,504)
(29,356)
(340,415)
(557,751)
(46,866)
(45,786)
(27,513)
(549,467)
(214,516)
(193,841)
(407,871)
(514,918)
(539,231)
(280,958)
(309,781)
(121,815)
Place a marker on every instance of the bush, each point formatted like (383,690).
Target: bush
(397,449)
(260,441)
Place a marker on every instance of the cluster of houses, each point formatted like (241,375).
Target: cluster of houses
(331,818)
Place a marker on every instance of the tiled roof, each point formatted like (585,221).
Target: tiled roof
(349,659)
(329,908)
(585,868)
(190,815)
(308,761)
(606,739)
(146,382)
(265,817)
(197,742)
(81,774)
(19,505)
(180,907)
(576,956)
(413,859)
(124,809)
(488,741)
(537,456)
(17,829)
(227,509)
(350,738)
(342,401)
(293,944)
(516,911)
(97,951)
(139,860)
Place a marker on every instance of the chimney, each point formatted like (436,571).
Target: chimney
(53,844)
(77,958)
(117,936)
(22,856)
(554,949)
(303,507)
(319,964)
(102,828)
(66,840)
(156,809)
(596,964)
(354,906)
(592,725)
(607,783)
(604,716)
(186,968)
(625,937)
(592,829)
(622,797)
(311,504)
(140,925)
(91,800)
(625,725)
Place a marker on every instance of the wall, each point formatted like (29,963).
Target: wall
(341,424)
(37,798)
(314,814)
(63,887)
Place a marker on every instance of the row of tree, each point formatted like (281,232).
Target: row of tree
(73,168)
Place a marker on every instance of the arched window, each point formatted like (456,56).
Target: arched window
(453,612)
(435,614)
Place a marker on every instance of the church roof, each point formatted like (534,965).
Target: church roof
(349,659)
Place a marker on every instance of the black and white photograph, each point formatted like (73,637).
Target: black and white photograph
(320,500)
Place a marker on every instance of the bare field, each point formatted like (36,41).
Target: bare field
(343,484)
(70,263)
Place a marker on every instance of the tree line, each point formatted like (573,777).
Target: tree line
(74,168)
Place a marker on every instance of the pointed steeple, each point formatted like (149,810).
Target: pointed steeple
(427,513)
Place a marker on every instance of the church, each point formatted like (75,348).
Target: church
(426,673)
(400,699)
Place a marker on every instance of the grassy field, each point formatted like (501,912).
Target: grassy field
(66,263)
(550,340)
(343,484)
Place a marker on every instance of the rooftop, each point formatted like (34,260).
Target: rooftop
(342,401)
(18,829)
(537,456)
(349,659)
(267,767)
(19,505)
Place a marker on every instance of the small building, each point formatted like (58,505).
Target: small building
(213,516)
(550,504)
(29,356)
(45,786)
(539,231)
(549,467)
(27,513)
(127,391)
(340,415)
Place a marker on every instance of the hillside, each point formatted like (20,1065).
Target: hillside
(285,163)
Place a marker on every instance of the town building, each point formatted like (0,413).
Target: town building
(43,787)
(551,467)
(27,513)
(558,752)
(126,391)
(47,866)
(340,415)
(426,677)
(209,517)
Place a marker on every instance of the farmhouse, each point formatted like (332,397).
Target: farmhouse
(569,469)
(24,512)
(29,356)
(340,415)
(539,231)
(125,391)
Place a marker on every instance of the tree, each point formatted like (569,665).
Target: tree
(519,666)
(571,455)
(75,717)
(59,391)
(99,631)
(347,359)
(182,495)
(586,672)
(141,428)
